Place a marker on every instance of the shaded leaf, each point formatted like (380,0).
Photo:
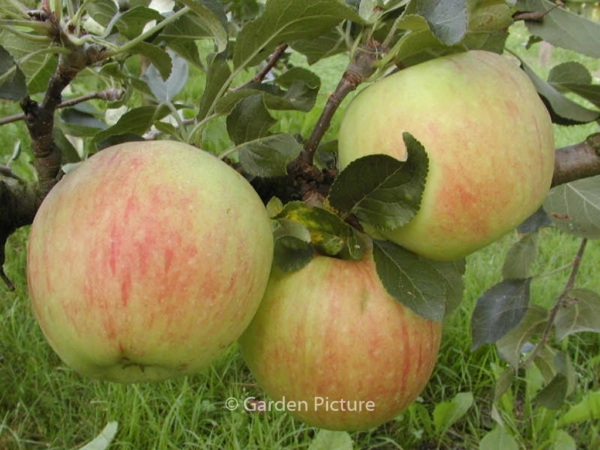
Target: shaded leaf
(286,21)
(575,77)
(135,121)
(166,90)
(563,110)
(249,120)
(324,46)
(292,246)
(563,28)
(520,256)
(537,220)
(503,383)
(575,207)
(447,414)
(512,345)
(447,19)
(269,156)
(488,16)
(553,395)
(218,78)
(580,312)
(13,85)
(209,14)
(498,310)
(159,58)
(78,123)
(420,284)
(380,190)
(498,439)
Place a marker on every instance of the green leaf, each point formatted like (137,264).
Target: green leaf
(553,395)
(575,207)
(131,23)
(103,440)
(580,312)
(520,256)
(249,120)
(292,246)
(217,79)
(563,28)
(503,383)
(586,410)
(420,284)
(286,21)
(447,414)
(76,122)
(101,11)
(380,190)
(511,345)
(331,440)
(498,439)
(13,85)
(324,46)
(209,14)
(269,156)
(328,233)
(489,16)
(561,440)
(575,77)
(447,19)
(136,121)
(563,110)
(165,90)
(498,310)
(159,58)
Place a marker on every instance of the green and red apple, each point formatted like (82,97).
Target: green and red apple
(148,261)
(335,349)
(488,136)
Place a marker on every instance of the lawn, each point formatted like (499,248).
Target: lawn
(43,404)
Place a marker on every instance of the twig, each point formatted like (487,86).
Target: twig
(559,303)
(275,56)
(535,16)
(109,94)
(577,161)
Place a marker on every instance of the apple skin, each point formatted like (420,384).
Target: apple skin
(488,136)
(331,331)
(147,261)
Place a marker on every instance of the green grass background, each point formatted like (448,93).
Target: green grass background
(43,404)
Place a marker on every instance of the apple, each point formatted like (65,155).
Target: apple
(488,136)
(148,261)
(331,346)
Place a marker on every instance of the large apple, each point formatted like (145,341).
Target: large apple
(489,140)
(333,348)
(148,261)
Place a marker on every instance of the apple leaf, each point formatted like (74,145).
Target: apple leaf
(537,220)
(324,46)
(563,441)
(75,122)
(286,21)
(331,440)
(268,156)
(563,28)
(586,410)
(101,11)
(136,121)
(211,16)
(511,345)
(447,19)
(249,120)
(498,310)
(498,439)
(553,395)
(329,234)
(574,77)
(159,58)
(489,16)
(302,87)
(103,440)
(420,284)
(563,110)
(13,85)
(520,257)
(218,77)
(292,246)
(580,312)
(446,414)
(131,23)
(575,207)
(166,90)
(503,383)
(380,190)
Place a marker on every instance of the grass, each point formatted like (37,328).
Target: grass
(43,404)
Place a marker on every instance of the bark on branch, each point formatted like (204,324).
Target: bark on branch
(577,161)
